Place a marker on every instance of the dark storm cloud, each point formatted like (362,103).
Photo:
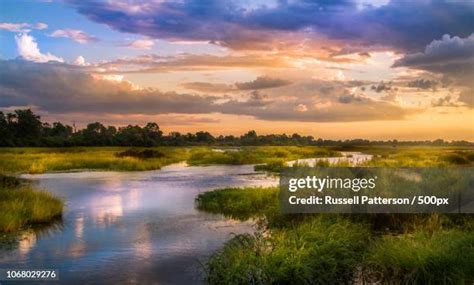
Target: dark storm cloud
(404,25)
(440,54)
(423,84)
(452,57)
(63,88)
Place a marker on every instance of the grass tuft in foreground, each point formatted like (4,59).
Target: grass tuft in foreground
(444,257)
(337,248)
(23,205)
(323,250)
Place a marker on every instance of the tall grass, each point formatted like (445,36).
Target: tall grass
(22,205)
(40,160)
(238,203)
(416,156)
(337,248)
(257,155)
(322,250)
(444,257)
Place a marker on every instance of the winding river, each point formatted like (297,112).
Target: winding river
(136,227)
(132,227)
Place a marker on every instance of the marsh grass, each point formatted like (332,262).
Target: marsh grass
(417,156)
(23,205)
(40,160)
(257,155)
(238,203)
(322,250)
(337,248)
(443,257)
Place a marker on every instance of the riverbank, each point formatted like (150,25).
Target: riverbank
(42,160)
(267,158)
(22,205)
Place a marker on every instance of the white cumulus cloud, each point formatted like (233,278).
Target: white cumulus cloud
(28,49)
(80,60)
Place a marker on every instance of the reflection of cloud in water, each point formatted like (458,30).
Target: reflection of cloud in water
(107,209)
(79,226)
(133,198)
(353,158)
(77,249)
(142,244)
(27,242)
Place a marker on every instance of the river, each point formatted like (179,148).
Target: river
(132,227)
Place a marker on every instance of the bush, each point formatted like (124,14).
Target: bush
(142,154)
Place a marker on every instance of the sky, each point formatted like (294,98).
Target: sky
(333,69)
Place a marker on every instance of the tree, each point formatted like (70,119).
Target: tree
(5,132)
(25,126)
(204,137)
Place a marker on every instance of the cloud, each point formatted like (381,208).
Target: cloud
(153,63)
(301,108)
(262,82)
(28,49)
(22,27)
(399,24)
(452,57)
(41,26)
(64,88)
(209,87)
(15,27)
(381,87)
(141,44)
(423,84)
(75,35)
(446,51)
(80,60)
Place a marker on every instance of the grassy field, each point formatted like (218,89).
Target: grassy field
(417,156)
(257,155)
(22,205)
(340,249)
(40,160)
(272,158)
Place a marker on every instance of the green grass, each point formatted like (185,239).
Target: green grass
(337,248)
(268,158)
(416,156)
(322,250)
(444,257)
(238,203)
(22,205)
(257,155)
(40,160)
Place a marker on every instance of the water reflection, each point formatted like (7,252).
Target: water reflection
(352,158)
(133,227)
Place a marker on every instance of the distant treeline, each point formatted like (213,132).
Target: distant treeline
(24,128)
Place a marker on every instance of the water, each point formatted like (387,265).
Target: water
(132,227)
(353,158)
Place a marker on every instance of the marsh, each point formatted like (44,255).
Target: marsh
(133,227)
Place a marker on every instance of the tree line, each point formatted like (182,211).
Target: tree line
(24,128)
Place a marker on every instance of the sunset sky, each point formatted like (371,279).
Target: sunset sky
(332,69)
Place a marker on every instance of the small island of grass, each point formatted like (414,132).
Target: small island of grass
(21,205)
